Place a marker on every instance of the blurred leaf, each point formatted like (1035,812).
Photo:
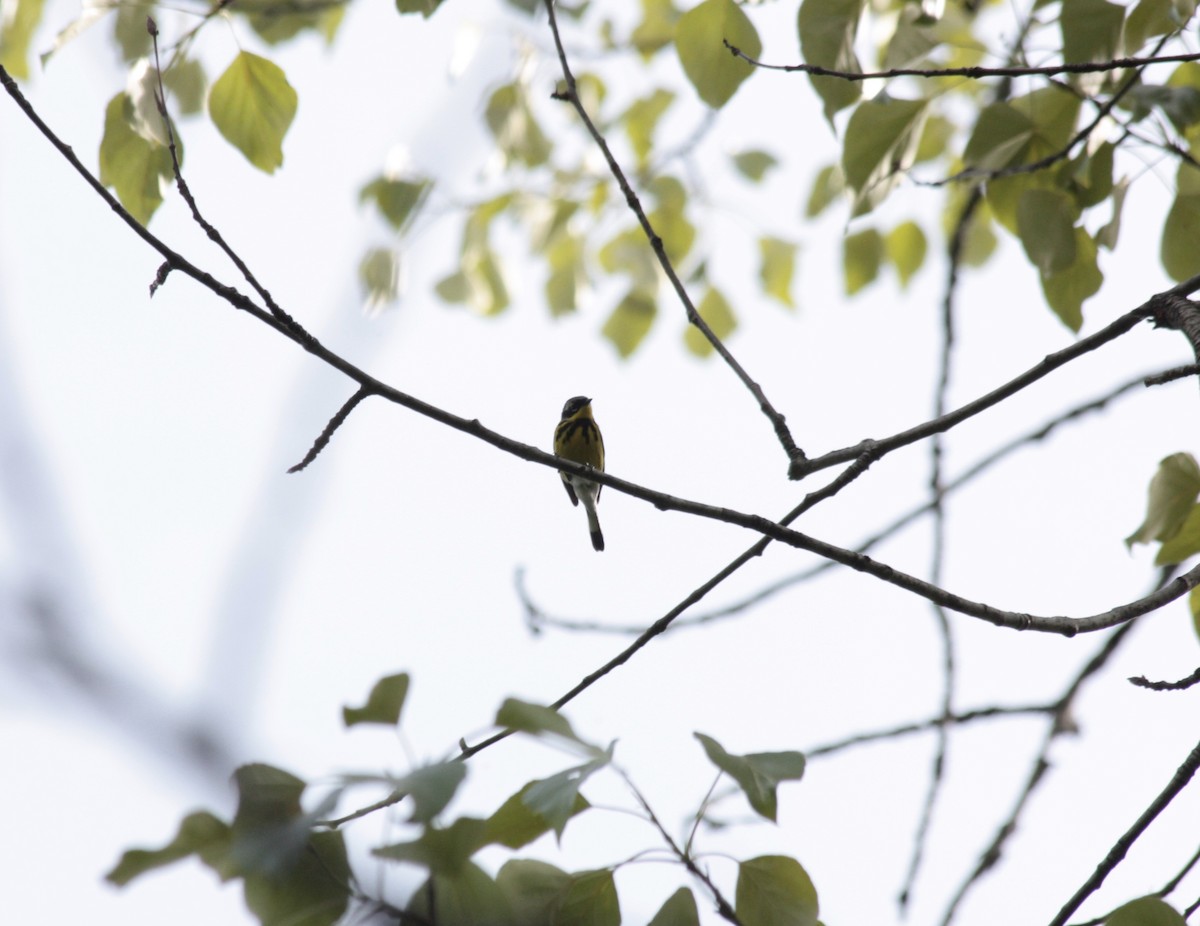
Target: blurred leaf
(1107,236)
(277,22)
(1181,231)
(1067,290)
(16,31)
(1024,130)
(717,313)
(1194,607)
(777,267)
(565,259)
(1089,176)
(187,83)
(467,897)
(1091,30)
(679,910)
(444,851)
(1046,224)
(312,892)
(134,167)
(253,105)
(200,833)
(384,703)
(556,799)
(699,39)
(936,135)
(1145,911)
(513,125)
(1152,18)
(753,165)
(397,200)
(1184,544)
(881,143)
(535,891)
(757,774)
(269,828)
(657,27)
(431,788)
(828,31)
(905,246)
(129,29)
(425,7)
(630,321)
(669,219)
(641,119)
(534,718)
(1173,492)
(516,823)
(379,279)
(862,255)
(828,186)
(774,890)
(591,900)
(911,41)
(629,252)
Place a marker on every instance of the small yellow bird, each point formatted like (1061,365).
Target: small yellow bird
(577,438)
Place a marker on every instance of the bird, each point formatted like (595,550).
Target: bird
(577,438)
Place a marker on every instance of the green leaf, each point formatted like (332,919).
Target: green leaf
(379,279)
(314,891)
(467,897)
(699,39)
(1046,225)
(630,321)
(269,828)
(629,252)
(591,900)
(1091,31)
(774,890)
(1067,290)
(828,186)
(556,799)
(862,255)
(905,246)
(133,166)
(716,311)
(753,165)
(642,118)
(200,833)
(669,218)
(129,29)
(1146,911)
(431,788)
(1173,492)
(535,891)
(656,29)
(1024,130)
(425,7)
(443,851)
(384,703)
(757,774)
(828,32)
(253,105)
(1181,231)
(1184,544)
(777,267)
(881,143)
(565,258)
(186,81)
(1151,18)
(1194,607)
(478,283)
(398,201)
(276,23)
(1089,176)
(513,125)
(534,718)
(1108,234)
(516,823)
(679,910)
(16,32)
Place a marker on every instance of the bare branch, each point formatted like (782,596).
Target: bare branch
(334,423)
(1142,682)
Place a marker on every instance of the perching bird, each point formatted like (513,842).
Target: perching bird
(577,438)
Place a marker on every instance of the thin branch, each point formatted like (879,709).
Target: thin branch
(1168,376)
(1142,682)
(334,423)
(1117,853)
(974,73)
(794,453)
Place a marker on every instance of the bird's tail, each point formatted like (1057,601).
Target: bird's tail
(589,503)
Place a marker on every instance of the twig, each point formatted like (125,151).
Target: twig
(1142,682)
(334,423)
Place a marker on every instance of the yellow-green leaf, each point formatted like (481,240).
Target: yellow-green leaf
(1181,231)
(777,267)
(657,27)
(1067,290)
(753,165)
(135,167)
(567,274)
(1046,225)
(775,890)
(397,200)
(828,31)
(253,105)
(1152,18)
(186,81)
(1145,911)
(425,7)
(630,321)
(828,185)
(862,255)
(129,29)
(591,900)
(379,279)
(881,143)
(641,119)
(1194,607)
(1091,30)
(679,910)
(16,32)
(905,246)
(1172,495)
(517,133)
(699,39)
(1184,544)
(717,313)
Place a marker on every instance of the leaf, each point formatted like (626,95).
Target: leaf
(828,186)
(1173,491)
(699,39)
(828,31)
(642,118)
(431,788)
(1194,607)
(656,29)
(753,165)
(556,799)
(445,851)
(630,321)
(398,201)
(1184,544)
(718,315)
(516,824)
(757,774)
(1024,130)
(774,890)
(200,833)
(312,892)
(379,279)
(1145,911)
(669,219)
(1046,225)
(1181,230)
(534,718)
(478,284)
(591,900)
(425,7)
(1091,31)
(186,81)
(269,828)
(535,891)
(468,897)
(1151,18)
(679,910)
(253,105)
(1067,290)
(129,29)
(513,125)
(777,267)
(905,246)
(134,167)
(1108,234)
(16,32)
(565,258)
(862,255)
(384,703)
(881,143)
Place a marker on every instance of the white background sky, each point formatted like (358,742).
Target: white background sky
(145,444)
